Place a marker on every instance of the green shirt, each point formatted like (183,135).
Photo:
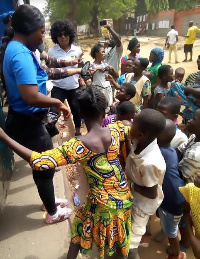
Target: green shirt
(154,71)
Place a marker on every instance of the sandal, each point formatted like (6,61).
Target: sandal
(84,72)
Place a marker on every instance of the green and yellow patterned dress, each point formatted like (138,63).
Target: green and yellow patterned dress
(106,217)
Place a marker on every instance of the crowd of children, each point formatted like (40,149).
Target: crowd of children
(136,157)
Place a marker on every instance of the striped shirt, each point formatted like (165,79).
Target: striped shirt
(191,79)
(190,164)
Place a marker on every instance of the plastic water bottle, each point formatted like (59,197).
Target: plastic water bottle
(76,199)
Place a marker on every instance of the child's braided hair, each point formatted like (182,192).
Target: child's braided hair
(92,102)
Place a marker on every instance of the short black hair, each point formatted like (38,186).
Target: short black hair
(62,26)
(180,70)
(132,43)
(129,89)
(172,27)
(131,59)
(126,107)
(95,49)
(163,70)
(144,62)
(92,102)
(173,104)
(27,19)
(151,121)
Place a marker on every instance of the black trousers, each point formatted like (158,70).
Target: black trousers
(31,132)
(70,95)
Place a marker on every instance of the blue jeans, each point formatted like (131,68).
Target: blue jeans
(169,223)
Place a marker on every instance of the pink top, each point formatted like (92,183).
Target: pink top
(124,58)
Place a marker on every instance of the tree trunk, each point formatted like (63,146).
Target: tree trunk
(94,22)
(72,17)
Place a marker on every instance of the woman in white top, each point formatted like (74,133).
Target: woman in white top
(101,69)
(63,35)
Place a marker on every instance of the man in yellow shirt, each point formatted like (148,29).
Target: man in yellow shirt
(190,39)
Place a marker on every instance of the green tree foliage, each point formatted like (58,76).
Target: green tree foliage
(86,9)
(186,4)
(141,7)
(155,6)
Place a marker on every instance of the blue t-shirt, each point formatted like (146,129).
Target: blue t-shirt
(173,199)
(20,67)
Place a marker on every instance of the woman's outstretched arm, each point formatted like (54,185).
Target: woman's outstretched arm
(39,161)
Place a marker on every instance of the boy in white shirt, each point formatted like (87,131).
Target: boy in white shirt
(145,167)
(172,39)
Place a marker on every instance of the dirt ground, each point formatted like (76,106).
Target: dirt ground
(75,174)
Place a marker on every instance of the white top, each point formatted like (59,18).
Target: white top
(178,139)
(146,169)
(57,52)
(190,164)
(172,36)
(99,76)
(113,56)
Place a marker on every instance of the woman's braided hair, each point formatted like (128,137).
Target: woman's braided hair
(92,102)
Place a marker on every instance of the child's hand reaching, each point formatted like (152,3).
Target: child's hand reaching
(109,78)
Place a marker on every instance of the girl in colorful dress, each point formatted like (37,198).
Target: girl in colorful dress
(106,218)
(134,47)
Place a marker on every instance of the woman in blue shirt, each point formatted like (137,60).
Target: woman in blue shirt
(25,83)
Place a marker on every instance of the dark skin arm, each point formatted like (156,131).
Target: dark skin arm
(156,84)
(22,151)
(56,63)
(195,243)
(31,96)
(192,91)
(112,71)
(115,36)
(166,40)
(145,102)
(112,80)
(148,192)
(158,97)
(123,69)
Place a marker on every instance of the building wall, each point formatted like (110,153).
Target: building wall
(182,19)
(165,17)
(126,26)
